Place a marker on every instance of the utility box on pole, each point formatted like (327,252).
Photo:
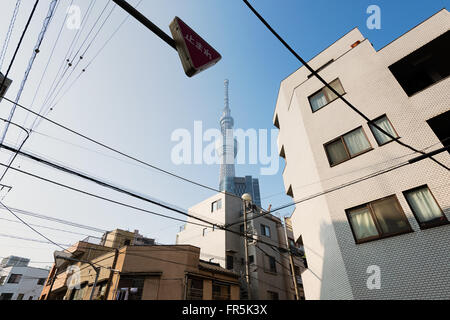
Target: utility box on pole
(195,53)
(6,83)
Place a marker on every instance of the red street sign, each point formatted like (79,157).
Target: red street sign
(195,53)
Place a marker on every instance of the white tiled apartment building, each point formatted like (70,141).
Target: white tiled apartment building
(395,223)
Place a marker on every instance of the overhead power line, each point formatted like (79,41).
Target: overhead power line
(133,194)
(57,220)
(103,145)
(316,74)
(9,33)
(41,36)
(101,197)
(29,226)
(20,43)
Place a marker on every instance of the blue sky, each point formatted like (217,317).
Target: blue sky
(135,94)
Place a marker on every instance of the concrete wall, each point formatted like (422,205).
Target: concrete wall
(413,265)
(28,284)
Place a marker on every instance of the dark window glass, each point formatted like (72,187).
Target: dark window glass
(265,230)
(230,262)
(384,123)
(41,281)
(425,207)
(272,264)
(221,291)
(273,295)
(347,146)
(441,127)
(14,278)
(325,95)
(195,289)
(423,67)
(378,219)
(130,288)
(6,296)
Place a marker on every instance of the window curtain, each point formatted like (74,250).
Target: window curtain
(318,101)
(390,216)
(423,205)
(363,225)
(336,152)
(384,124)
(336,85)
(356,141)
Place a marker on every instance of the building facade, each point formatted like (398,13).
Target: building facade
(386,236)
(270,269)
(138,270)
(18,281)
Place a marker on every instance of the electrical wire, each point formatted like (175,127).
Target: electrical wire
(20,43)
(41,36)
(120,152)
(315,73)
(9,33)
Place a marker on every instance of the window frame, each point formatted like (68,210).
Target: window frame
(373,134)
(341,138)
(265,228)
(19,276)
(321,90)
(425,225)
(269,264)
(380,235)
(217,202)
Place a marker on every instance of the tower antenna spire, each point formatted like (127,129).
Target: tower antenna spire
(227,98)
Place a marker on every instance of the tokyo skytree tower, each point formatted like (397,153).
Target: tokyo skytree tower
(228,147)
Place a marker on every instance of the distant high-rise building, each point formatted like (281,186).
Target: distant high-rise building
(227,152)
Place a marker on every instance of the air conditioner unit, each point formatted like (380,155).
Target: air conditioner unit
(5,86)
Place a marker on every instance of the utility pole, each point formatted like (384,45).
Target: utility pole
(247,200)
(291,262)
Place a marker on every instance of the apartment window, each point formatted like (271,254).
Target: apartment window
(425,208)
(251,259)
(441,128)
(14,278)
(230,262)
(20,296)
(30,298)
(195,289)
(272,264)
(265,230)
(378,219)
(41,281)
(324,96)
(130,288)
(273,295)
(2,280)
(423,67)
(384,123)
(78,294)
(221,291)
(216,205)
(6,296)
(241,228)
(347,146)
